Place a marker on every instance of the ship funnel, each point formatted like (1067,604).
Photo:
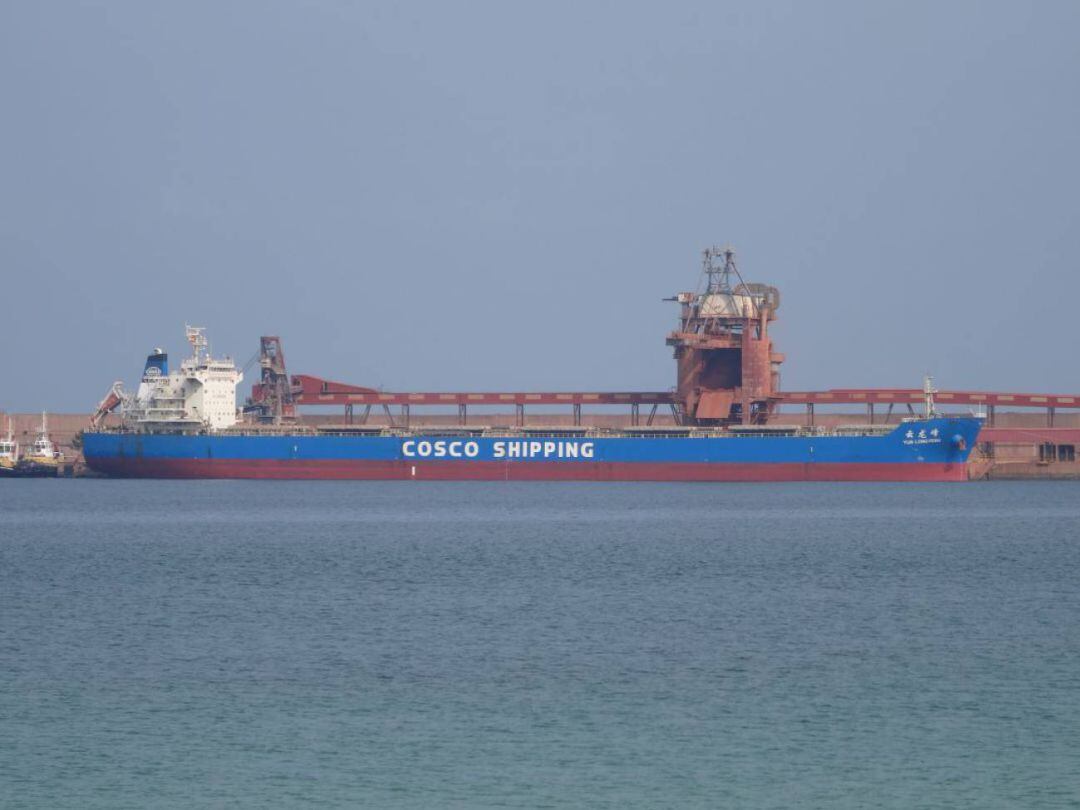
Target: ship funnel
(157,364)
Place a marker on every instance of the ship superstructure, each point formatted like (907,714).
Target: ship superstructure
(200,395)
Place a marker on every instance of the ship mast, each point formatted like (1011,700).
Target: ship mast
(196,336)
(928,396)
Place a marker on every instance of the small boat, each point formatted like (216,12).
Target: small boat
(9,452)
(42,460)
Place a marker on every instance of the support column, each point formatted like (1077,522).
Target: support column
(365,415)
(348,414)
(405,415)
(463,414)
(809,414)
(652,415)
(520,414)
(870,412)
(635,415)
(577,414)
(1050,416)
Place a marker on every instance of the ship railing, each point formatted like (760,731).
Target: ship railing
(195,427)
(863,430)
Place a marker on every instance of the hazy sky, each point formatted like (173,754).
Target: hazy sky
(436,196)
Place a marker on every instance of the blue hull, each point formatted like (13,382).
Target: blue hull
(935,449)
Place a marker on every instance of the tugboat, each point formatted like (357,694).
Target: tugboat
(43,459)
(9,453)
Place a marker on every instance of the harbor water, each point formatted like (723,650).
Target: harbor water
(416,645)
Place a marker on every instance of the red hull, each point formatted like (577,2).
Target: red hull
(523,471)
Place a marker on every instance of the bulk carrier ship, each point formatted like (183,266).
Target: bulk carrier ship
(184,423)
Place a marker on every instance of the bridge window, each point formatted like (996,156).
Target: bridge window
(1066,452)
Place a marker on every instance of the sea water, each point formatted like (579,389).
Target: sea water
(396,644)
